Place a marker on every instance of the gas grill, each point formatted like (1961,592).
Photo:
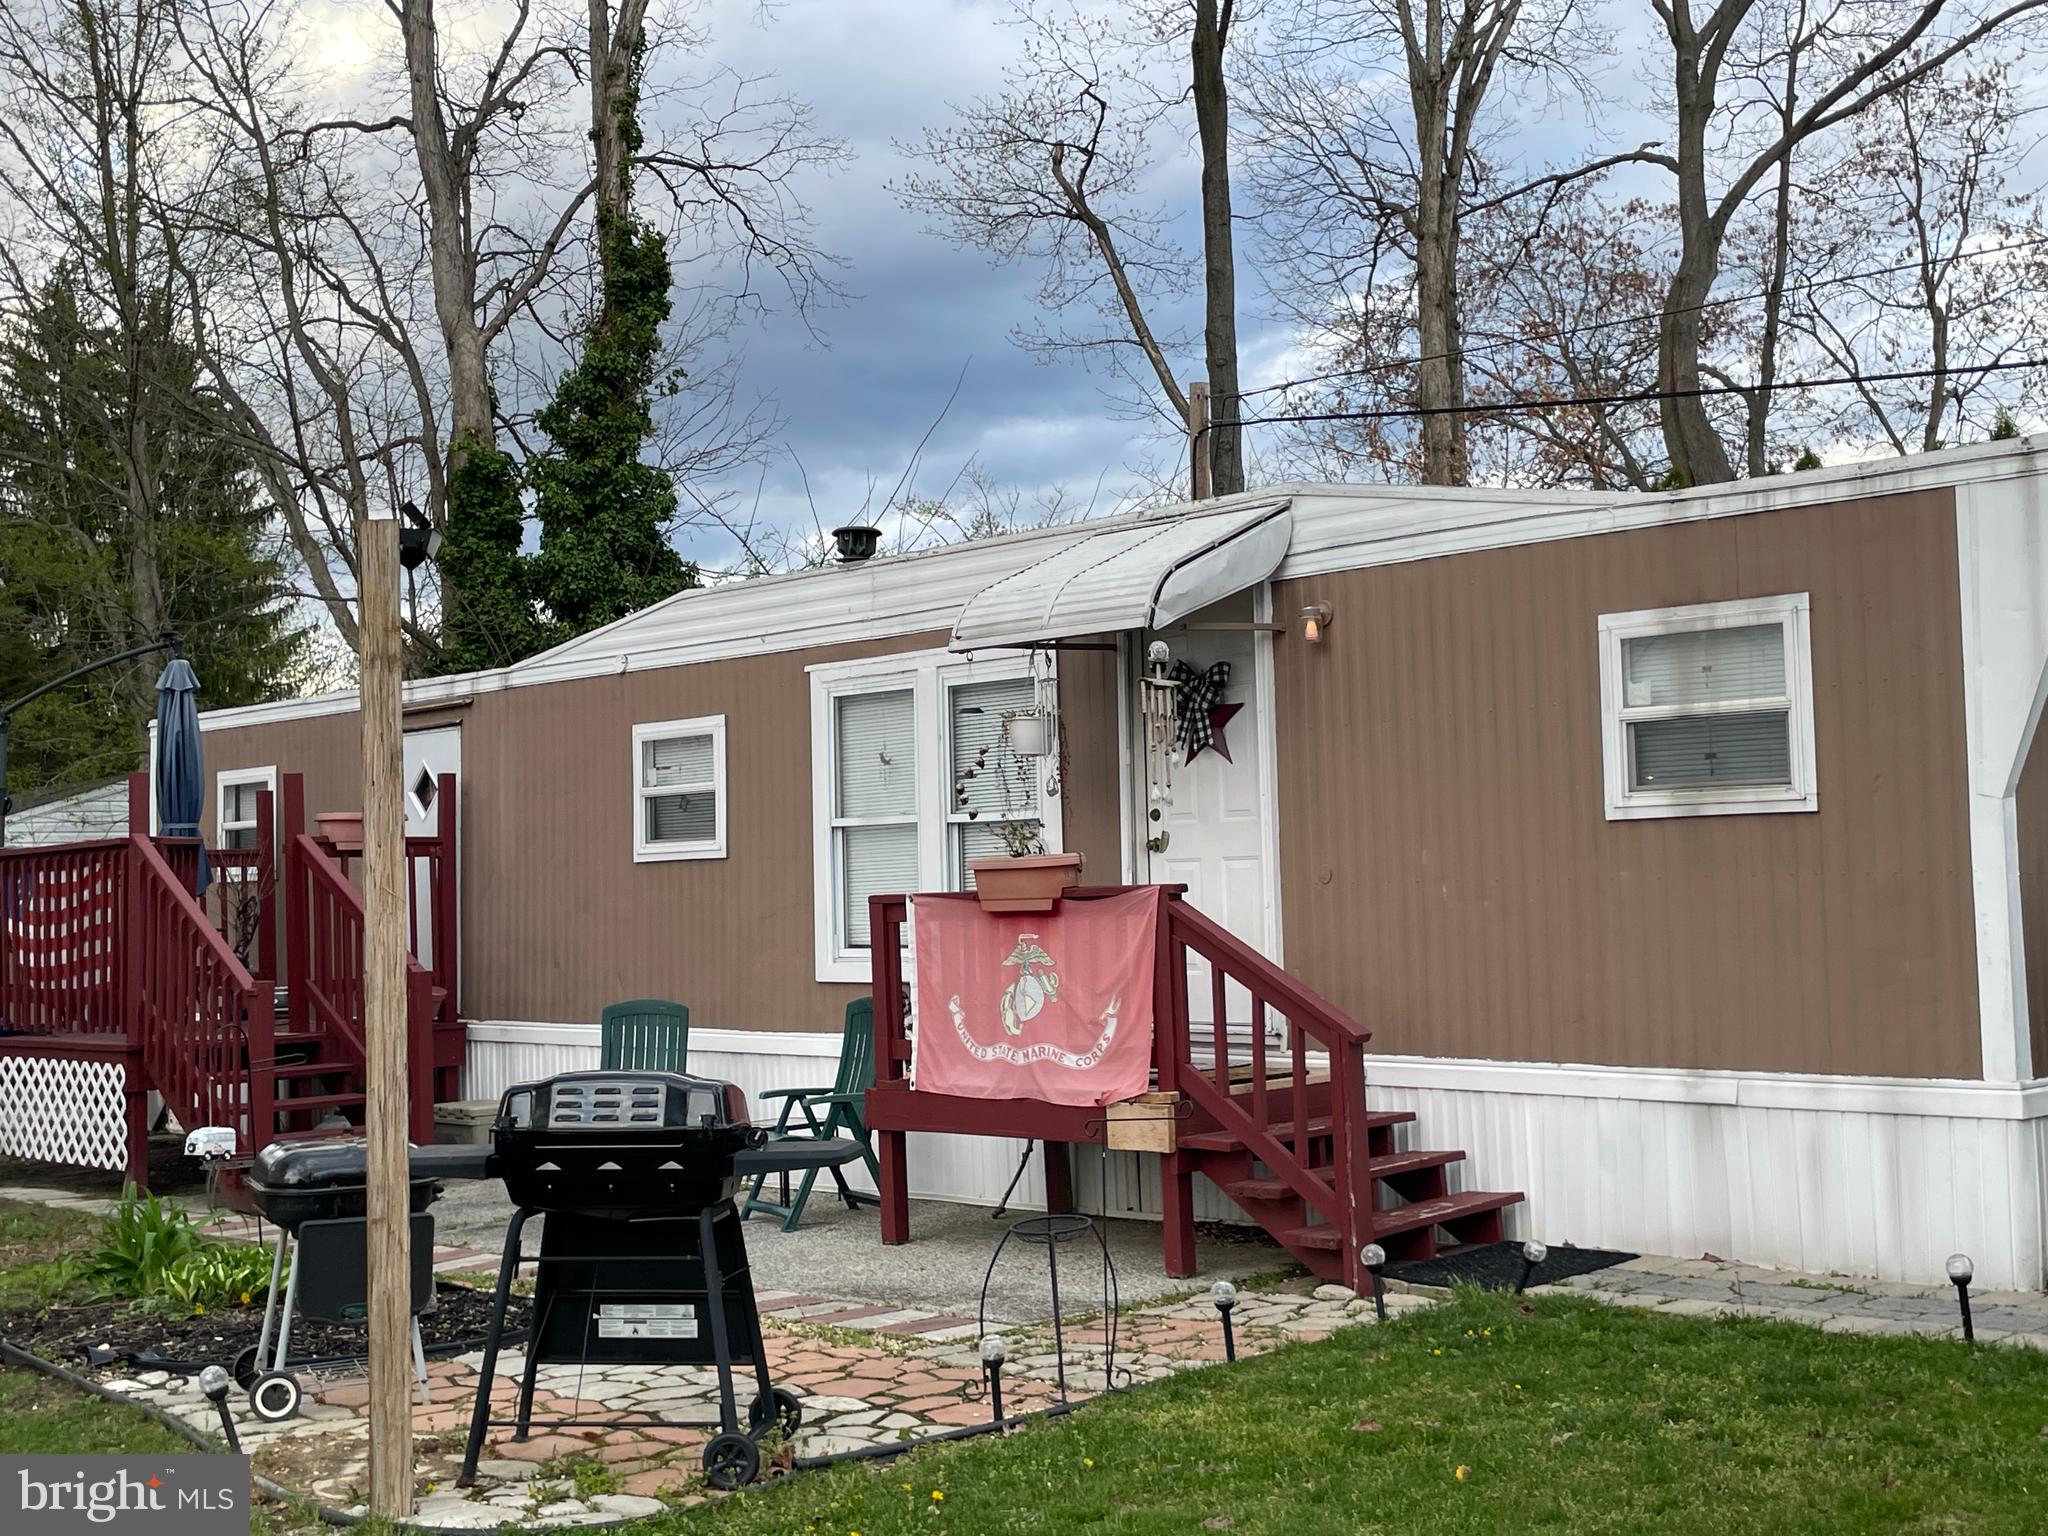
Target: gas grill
(315,1193)
(642,1257)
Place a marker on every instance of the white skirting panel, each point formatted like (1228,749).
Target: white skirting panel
(1872,1177)
(1851,1182)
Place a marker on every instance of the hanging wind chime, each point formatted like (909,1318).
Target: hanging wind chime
(1157,688)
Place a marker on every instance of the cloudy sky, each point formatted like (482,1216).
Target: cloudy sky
(918,309)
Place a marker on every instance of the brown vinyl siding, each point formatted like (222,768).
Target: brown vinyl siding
(2030,809)
(558,919)
(1450,877)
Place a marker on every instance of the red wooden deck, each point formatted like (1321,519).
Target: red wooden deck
(1333,1177)
(108,960)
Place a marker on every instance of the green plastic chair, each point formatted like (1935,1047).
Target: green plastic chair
(843,1107)
(645,1035)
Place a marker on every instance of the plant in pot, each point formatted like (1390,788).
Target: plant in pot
(998,788)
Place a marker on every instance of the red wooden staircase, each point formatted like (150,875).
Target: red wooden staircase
(1293,1142)
(1276,1112)
(116,981)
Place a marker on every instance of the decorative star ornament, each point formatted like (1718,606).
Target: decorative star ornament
(1220,715)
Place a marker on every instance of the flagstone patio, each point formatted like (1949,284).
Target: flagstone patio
(860,1387)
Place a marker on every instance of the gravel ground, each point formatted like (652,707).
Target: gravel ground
(838,1253)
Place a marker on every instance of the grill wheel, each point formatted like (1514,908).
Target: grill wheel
(731,1461)
(780,1409)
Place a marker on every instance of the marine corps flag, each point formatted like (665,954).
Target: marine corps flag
(1055,1006)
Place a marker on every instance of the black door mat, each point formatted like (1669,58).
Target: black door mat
(1498,1266)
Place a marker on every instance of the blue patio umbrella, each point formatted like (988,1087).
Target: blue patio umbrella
(180,774)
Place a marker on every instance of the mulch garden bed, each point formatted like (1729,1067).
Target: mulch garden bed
(65,1333)
(1498,1266)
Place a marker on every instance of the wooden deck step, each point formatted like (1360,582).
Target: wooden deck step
(1318,1125)
(302,1102)
(1392,1167)
(1441,1211)
(296,1069)
(1406,1218)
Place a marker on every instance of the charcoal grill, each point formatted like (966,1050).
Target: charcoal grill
(315,1194)
(642,1256)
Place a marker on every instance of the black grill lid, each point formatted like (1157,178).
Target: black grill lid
(595,1103)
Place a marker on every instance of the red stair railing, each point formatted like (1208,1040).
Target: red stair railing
(206,1027)
(62,961)
(324,974)
(1340,1193)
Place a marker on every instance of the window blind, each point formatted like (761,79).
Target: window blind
(877,756)
(691,818)
(874,861)
(1703,666)
(677,760)
(1004,785)
(1711,751)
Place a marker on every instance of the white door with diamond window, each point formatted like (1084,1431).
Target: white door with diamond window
(428,755)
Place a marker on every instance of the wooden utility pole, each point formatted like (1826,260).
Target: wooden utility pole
(384,1022)
(1200,484)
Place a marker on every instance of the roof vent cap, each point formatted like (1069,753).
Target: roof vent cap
(857,542)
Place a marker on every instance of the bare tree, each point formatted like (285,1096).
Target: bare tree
(1830,63)
(1946,265)
(1060,167)
(1378,133)
(85,149)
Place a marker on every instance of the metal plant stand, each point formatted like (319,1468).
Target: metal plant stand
(1050,1233)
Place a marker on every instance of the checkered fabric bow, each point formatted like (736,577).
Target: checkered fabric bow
(1198,693)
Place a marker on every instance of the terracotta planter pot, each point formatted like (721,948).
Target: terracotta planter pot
(1028,884)
(344,829)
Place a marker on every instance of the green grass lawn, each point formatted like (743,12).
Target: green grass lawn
(38,1415)
(1562,1415)
(1486,1414)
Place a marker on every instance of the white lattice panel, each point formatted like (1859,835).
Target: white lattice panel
(63,1111)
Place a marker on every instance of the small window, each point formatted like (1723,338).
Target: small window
(679,790)
(235,812)
(1708,709)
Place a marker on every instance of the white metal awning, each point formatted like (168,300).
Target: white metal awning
(1145,576)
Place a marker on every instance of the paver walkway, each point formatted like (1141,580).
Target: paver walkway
(858,1387)
(1836,1303)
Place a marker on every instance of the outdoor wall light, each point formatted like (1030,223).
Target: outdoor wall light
(1533,1253)
(1315,622)
(419,541)
(1224,1295)
(1374,1258)
(215,1383)
(995,1349)
(1960,1273)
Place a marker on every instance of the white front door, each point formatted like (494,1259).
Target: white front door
(428,755)
(1211,834)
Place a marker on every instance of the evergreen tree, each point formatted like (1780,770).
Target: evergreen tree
(79,403)
(489,616)
(605,512)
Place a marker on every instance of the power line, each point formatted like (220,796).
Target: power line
(1631,397)
(1394,364)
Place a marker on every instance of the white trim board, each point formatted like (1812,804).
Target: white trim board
(1337,527)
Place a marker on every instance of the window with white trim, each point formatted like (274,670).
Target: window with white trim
(679,790)
(234,817)
(1708,709)
(912,778)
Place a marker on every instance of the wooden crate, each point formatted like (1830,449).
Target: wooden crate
(1143,1124)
